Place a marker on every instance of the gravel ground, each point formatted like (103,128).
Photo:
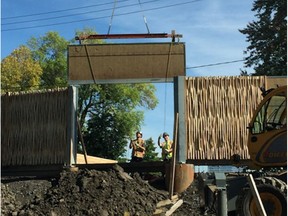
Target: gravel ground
(91,192)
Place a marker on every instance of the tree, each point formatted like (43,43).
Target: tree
(268,38)
(19,72)
(113,118)
(51,52)
(150,154)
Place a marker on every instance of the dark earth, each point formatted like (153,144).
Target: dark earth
(92,192)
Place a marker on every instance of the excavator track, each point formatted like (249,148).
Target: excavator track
(273,193)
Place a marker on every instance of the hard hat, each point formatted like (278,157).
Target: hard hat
(165,134)
(139,132)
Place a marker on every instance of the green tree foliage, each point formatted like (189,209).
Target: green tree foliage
(51,52)
(19,72)
(150,154)
(113,118)
(86,32)
(268,38)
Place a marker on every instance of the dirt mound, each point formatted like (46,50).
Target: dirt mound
(86,192)
(91,192)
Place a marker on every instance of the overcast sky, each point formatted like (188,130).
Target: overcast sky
(209,29)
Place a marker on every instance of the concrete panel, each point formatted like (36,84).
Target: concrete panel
(102,62)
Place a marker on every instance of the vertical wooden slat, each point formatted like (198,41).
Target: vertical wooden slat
(219,109)
(34,127)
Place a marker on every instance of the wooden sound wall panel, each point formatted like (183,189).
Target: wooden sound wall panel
(107,62)
(218,111)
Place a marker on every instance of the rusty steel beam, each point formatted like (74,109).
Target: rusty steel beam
(128,36)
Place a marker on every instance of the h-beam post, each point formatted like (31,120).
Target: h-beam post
(180,108)
(72,126)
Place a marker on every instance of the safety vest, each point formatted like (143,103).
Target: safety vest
(166,146)
(137,151)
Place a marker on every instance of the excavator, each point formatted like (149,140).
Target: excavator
(267,145)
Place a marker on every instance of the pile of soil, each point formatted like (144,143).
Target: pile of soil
(89,192)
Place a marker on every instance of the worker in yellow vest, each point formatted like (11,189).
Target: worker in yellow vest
(167,146)
(138,147)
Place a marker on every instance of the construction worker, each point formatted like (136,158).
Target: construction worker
(138,147)
(167,147)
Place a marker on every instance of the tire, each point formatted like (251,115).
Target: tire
(273,195)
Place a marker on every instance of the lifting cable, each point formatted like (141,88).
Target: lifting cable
(89,63)
(166,77)
(85,45)
(112,15)
(144,18)
(173,36)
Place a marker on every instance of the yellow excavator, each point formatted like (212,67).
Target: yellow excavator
(267,146)
(267,141)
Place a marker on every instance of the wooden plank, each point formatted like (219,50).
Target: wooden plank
(174,207)
(172,168)
(167,201)
(82,159)
(163,203)
(160,211)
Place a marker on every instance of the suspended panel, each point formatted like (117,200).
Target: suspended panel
(104,63)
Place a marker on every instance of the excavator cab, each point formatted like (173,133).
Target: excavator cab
(267,139)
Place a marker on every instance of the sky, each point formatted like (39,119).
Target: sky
(210,30)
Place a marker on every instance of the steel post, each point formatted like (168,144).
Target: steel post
(180,108)
(222,209)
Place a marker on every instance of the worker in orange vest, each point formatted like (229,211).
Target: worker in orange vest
(167,146)
(138,147)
